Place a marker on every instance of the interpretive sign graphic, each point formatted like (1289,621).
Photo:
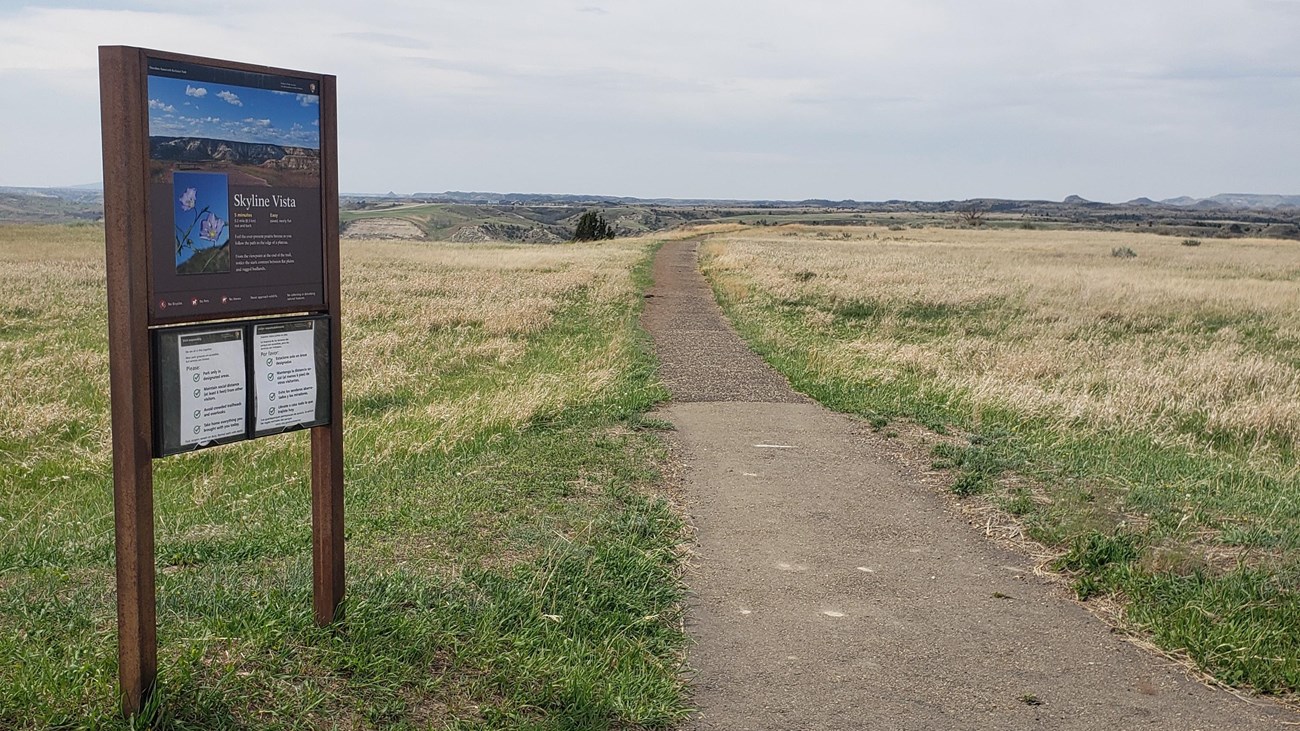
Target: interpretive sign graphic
(289,382)
(212,384)
(234,192)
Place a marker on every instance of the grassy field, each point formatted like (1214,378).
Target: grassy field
(1139,415)
(509,563)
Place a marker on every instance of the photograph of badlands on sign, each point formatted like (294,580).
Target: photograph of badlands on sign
(844,365)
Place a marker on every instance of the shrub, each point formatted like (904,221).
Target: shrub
(1191,242)
(1123,252)
(592,226)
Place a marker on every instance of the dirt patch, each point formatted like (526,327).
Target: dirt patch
(542,236)
(383,228)
(470,235)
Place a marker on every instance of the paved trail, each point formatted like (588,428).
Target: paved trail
(831,591)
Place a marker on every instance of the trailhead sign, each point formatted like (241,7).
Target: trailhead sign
(222,256)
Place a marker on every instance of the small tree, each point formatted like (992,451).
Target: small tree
(592,226)
(973,215)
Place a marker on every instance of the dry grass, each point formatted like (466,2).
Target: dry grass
(1052,325)
(491,476)
(52,270)
(412,313)
(1139,416)
(415,313)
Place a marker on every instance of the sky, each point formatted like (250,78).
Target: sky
(179,108)
(861,99)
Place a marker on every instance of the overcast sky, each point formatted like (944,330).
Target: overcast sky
(924,99)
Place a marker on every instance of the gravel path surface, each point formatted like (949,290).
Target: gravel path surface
(701,358)
(832,590)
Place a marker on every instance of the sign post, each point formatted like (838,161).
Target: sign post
(220,204)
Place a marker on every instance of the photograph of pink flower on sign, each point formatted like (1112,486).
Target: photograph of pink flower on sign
(201,215)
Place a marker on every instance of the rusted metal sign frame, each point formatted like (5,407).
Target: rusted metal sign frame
(123,73)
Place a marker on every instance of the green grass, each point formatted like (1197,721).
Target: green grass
(505,570)
(1198,541)
(440,220)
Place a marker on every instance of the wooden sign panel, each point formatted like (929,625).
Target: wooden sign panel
(220,203)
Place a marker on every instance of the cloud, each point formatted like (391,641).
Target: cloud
(308,99)
(230,97)
(386,39)
(258,122)
(932,99)
(161,106)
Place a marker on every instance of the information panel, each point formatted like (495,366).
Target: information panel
(234,192)
(214,389)
(290,368)
(228,382)
(201,398)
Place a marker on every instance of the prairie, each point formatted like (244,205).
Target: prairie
(1138,416)
(510,563)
